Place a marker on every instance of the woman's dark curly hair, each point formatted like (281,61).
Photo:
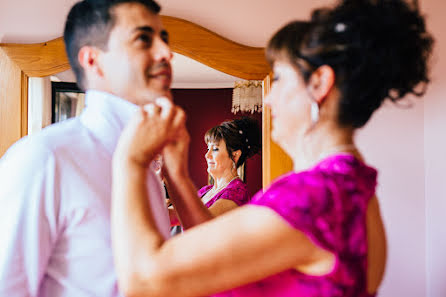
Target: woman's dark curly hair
(240,134)
(377,49)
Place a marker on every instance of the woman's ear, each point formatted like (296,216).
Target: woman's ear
(236,155)
(321,82)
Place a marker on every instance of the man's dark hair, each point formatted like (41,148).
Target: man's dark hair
(89,22)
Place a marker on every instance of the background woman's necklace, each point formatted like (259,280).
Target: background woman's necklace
(216,190)
(211,193)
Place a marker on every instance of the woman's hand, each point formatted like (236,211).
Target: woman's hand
(154,125)
(176,154)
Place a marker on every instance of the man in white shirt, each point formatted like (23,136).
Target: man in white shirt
(55,187)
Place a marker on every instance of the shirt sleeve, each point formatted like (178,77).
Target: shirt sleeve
(28,218)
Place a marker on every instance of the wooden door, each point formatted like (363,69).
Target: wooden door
(275,161)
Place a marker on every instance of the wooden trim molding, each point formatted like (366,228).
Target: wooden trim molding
(24,104)
(275,161)
(39,59)
(188,39)
(215,51)
(266,135)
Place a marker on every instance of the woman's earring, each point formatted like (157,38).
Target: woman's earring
(233,164)
(314,112)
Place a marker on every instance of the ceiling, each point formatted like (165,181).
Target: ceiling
(249,22)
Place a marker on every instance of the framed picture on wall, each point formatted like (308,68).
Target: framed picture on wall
(67,101)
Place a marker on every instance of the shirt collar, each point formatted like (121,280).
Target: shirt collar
(106,115)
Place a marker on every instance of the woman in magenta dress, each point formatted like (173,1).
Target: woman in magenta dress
(316,231)
(229,145)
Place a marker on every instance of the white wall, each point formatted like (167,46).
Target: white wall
(409,149)
(435,154)
(39,103)
(393,142)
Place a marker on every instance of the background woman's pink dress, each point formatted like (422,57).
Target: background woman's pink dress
(236,191)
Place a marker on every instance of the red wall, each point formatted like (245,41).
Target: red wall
(206,108)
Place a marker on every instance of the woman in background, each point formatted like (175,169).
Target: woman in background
(229,145)
(316,231)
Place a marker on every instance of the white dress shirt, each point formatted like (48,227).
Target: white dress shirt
(55,196)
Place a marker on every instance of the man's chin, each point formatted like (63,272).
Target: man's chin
(150,97)
(168,94)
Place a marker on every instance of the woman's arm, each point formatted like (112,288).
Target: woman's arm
(219,207)
(183,195)
(222,206)
(220,254)
(223,253)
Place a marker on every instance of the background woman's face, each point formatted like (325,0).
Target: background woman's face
(290,104)
(217,158)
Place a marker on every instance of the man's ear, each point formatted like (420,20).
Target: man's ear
(321,82)
(88,58)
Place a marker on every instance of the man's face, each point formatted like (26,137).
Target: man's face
(136,64)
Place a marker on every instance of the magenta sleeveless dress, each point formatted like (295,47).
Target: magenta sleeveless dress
(328,203)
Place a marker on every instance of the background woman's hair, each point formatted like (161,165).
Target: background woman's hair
(240,134)
(378,49)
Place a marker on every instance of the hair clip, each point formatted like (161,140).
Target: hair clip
(340,27)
